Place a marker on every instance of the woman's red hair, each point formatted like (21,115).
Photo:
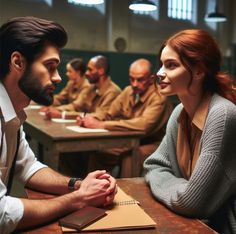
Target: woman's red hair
(198,48)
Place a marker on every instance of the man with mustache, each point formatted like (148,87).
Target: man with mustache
(139,107)
(101,92)
(98,96)
(29,57)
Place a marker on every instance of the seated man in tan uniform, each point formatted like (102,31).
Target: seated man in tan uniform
(139,107)
(74,93)
(99,96)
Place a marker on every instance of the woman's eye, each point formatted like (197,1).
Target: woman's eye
(171,65)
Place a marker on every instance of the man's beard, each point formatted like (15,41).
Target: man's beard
(93,79)
(31,87)
(137,90)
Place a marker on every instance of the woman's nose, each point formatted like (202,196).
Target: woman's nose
(160,74)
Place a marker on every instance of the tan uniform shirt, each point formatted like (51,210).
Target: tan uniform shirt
(149,114)
(72,96)
(189,135)
(99,100)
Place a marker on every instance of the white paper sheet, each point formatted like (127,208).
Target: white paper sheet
(85,130)
(33,107)
(58,120)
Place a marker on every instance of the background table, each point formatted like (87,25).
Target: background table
(54,138)
(166,221)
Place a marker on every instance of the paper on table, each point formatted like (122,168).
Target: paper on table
(85,130)
(125,214)
(42,113)
(59,120)
(33,107)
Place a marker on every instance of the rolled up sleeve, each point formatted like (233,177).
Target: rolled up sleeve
(11,212)
(11,208)
(26,164)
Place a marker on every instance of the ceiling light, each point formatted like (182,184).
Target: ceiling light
(142,5)
(215,16)
(86,2)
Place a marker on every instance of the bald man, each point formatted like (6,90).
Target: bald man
(139,107)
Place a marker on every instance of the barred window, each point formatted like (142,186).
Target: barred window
(180,9)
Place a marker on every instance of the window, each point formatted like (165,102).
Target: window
(180,9)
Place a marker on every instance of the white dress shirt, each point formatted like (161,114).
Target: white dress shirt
(12,209)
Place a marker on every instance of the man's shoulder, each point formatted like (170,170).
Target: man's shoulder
(85,85)
(127,89)
(153,95)
(113,87)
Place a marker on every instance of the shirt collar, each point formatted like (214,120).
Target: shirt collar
(104,87)
(152,88)
(7,107)
(6,104)
(200,115)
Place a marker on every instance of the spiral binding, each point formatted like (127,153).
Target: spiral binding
(129,202)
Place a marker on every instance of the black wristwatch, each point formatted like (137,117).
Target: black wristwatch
(71,183)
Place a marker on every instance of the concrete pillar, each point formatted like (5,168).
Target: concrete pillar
(117,13)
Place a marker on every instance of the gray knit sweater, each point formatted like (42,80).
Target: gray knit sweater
(210,193)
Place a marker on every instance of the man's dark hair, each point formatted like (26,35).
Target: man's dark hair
(102,62)
(28,35)
(78,64)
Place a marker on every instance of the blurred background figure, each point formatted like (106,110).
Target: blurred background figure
(141,107)
(99,97)
(74,94)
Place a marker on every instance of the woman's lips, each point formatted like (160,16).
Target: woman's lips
(163,84)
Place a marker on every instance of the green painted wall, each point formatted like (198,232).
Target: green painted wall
(119,64)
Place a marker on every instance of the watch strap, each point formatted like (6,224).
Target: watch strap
(71,183)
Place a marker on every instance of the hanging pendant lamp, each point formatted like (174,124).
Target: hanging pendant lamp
(142,5)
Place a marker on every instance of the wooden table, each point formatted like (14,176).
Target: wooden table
(54,138)
(166,221)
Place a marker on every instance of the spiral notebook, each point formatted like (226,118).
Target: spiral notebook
(125,213)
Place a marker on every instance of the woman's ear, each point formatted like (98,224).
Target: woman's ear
(17,61)
(198,74)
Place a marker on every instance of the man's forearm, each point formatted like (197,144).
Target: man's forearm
(49,181)
(43,211)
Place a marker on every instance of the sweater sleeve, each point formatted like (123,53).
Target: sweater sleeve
(213,178)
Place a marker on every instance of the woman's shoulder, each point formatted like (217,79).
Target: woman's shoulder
(174,116)
(222,112)
(222,105)
(177,110)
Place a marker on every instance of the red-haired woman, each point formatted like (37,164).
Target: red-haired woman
(193,172)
